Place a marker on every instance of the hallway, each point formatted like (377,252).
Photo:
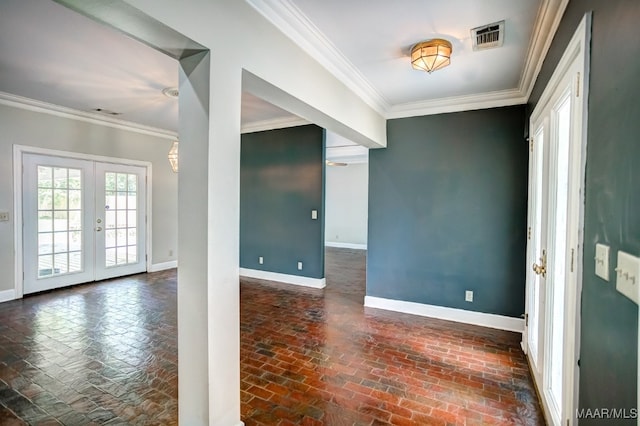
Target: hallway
(106,353)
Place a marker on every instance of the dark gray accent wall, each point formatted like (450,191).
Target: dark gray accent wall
(281,181)
(609,321)
(447,211)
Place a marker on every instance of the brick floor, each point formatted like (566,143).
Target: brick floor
(106,353)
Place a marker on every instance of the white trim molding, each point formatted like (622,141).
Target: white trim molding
(163,266)
(346,245)
(7,295)
(274,123)
(86,116)
(450,314)
(284,278)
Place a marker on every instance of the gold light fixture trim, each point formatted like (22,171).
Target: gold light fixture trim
(431,55)
(173,156)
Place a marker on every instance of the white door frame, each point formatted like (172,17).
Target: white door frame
(577,49)
(18,151)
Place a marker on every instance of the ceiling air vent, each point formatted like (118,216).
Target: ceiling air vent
(488,36)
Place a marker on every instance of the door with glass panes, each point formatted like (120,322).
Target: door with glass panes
(83,221)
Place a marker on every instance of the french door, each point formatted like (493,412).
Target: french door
(82,221)
(556,175)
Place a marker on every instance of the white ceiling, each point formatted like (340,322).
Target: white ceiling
(51,54)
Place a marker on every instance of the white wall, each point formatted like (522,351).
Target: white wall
(346,203)
(30,128)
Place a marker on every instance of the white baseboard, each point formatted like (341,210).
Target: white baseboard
(284,278)
(156,267)
(451,314)
(346,245)
(7,295)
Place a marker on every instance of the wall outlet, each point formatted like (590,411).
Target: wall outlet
(299,266)
(314,214)
(4,216)
(468,296)
(261,260)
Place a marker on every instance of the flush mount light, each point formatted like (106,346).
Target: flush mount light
(431,55)
(335,163)
(171,92)
(173,156)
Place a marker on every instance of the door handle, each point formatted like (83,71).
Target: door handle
(98,229)
(542,268)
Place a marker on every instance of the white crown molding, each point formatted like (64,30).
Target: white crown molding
(450,314)
(295,25)
(289,19)
(458,103)
(275,123)
(284,278)
(544,30)
(88,117)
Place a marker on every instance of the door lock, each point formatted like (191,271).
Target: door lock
(99,220)
(98,229)
(542,268)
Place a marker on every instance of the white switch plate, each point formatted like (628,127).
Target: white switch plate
(468,296)
(299,266)
(261,260)
(314,214)
(4,216)
(628,276)
(602,261)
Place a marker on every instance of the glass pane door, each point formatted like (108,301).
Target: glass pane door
(120,219)
(57,203)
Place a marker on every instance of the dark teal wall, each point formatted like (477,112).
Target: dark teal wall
(609,332)
(447,211)
(281,181)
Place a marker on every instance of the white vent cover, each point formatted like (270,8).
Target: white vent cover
(488,36)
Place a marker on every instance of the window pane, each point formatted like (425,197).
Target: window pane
(131,218)
(75,241)
(110,200)
(121,202)
(110,238)
(59,177)
(132,256)
(45,221)
(75,199)
(60,199)
(133,183)
(45,265)
(60,242)
(122,218)
(75,179)
(75,262)
(45,177)
(60,221)
(45,199)
(110,257)
(110,181)
(132,203)
(110,219)
(132,237)
(45,243)
(121,255)
(121,237)
(122,182)
(75,220)
(60,263)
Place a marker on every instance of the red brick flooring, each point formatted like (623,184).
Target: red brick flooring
(106,353)
(319,357)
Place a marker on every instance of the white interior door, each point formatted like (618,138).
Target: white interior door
(82,221)
(554,228)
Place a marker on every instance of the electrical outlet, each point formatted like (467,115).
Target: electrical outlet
(299,266)
(468,296)
(602,261)
(261,260)
(4,216)
(314,214)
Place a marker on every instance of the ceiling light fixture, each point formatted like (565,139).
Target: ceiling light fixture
(335,163)
(171,92)
(431,55)
(173,156)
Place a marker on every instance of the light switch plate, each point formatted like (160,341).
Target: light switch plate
(4,216)
(628,275)
(602,261)
(314,214)
(299,266)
